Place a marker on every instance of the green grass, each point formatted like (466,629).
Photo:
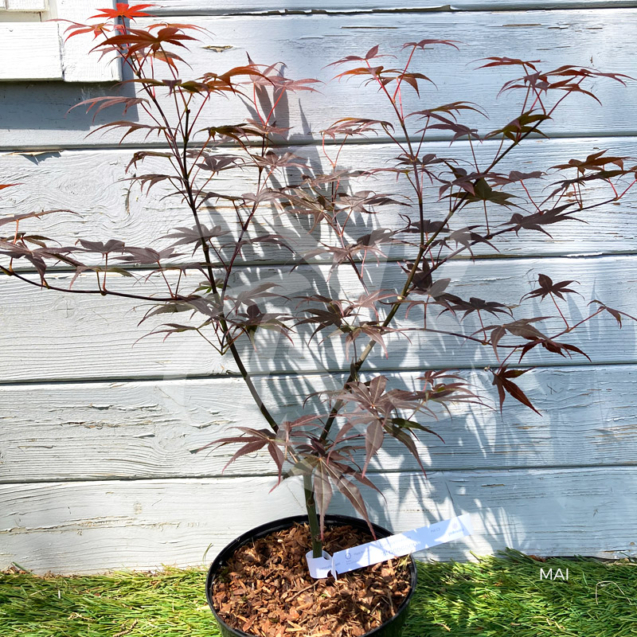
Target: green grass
(496,597)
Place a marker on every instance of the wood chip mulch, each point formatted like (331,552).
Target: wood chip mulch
(266,590)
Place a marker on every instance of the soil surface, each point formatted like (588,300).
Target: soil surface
(266,589)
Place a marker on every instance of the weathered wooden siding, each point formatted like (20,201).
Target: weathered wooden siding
(96,436)
(309,42)
(226,7)
(148,429)
(74,527)
(55,336)
(86,181)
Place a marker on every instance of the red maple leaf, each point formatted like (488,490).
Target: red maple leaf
(122,10)
(102,28)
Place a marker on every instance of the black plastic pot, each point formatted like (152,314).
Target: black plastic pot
(391,628)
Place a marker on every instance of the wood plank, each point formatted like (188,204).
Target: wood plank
(147,430)
(28,5)
(207,7)
(19,16)
(85,527)
(79,64)
(91,184)
(34,49)
(56,336)
(307,44)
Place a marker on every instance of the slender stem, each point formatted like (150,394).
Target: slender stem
(557,307)
(99,290)
(310,505)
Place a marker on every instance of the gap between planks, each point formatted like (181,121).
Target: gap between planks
(370,471)
(391,260)
(17,149)
(478,7)
(286,374)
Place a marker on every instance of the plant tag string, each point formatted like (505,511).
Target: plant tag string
(390,547)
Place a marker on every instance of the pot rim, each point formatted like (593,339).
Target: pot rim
(275,525)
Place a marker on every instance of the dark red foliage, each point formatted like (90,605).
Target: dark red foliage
(124,10)
(334,208)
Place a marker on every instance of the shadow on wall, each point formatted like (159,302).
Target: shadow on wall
(42,111)
(525,478)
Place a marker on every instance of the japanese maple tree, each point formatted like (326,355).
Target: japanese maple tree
(331,446)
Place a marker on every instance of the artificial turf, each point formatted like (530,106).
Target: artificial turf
(493,597)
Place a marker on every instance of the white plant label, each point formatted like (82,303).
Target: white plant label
(389,547)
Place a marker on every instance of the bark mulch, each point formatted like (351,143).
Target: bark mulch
(266,590)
